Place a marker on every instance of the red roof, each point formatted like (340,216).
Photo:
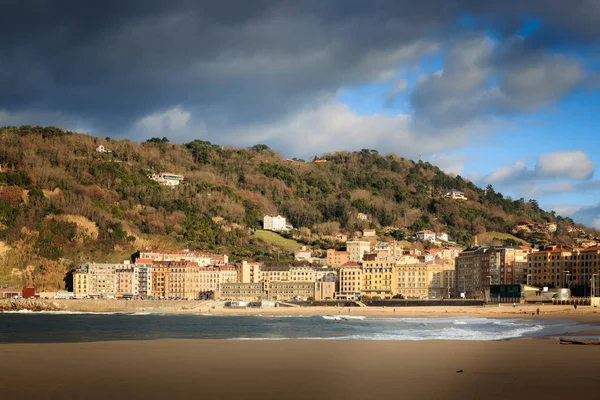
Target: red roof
(350,264)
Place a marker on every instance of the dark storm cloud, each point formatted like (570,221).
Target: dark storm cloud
(232,62)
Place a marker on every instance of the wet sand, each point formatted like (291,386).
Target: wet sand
(299,369)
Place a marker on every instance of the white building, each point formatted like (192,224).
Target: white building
(426,235)
(275,223)
(442,236)
(455,194)
(356,249)
(167,179)
(100,149)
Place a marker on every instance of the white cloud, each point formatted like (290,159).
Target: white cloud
(174,123)
(450,164)
(550,166)
(504,174)
(565,164)
(332,126)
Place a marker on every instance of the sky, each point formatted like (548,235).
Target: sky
(501,92)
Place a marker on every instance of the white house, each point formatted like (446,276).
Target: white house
(100,149)
(362,216)
(426,235)
(275,223)
(442,236)
(455,194)
(167,179)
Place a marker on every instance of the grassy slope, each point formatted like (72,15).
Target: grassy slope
(488,237)
(276,240)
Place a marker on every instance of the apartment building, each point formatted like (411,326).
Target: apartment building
(388,248)
(95,280)
(478,268)
(143,276)
(357,249)
(379,278)
(126,281)
(336,258)
(350,281)
(249,272)
(80,282)
(562,266)
(412,281)
(160,279)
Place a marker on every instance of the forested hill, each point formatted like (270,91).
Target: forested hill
(63,203)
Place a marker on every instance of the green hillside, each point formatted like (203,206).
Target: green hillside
(62,203)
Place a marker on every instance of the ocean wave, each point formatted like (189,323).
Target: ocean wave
(343,317)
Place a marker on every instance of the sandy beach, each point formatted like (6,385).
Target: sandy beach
(299,369)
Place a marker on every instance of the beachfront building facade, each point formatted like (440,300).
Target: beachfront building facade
(412,281)
(378,279)
(289,290)
(240,291)
(350,281)
(357,249)
(563,267)
(478,268)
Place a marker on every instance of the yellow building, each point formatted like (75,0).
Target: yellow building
(412,281)
(240,291)
(160,279)
(80,282)
(379,279)
(248,272)
(350,281)
(289,290)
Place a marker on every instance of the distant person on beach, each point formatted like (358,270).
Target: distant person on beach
(575,306)
(537,311)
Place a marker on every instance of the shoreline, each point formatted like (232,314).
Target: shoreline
(583,314)
(323,369)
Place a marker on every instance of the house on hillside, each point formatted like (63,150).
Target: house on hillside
(369,233)
(362,217)
(275,223)
(100,149)
(426,235)
(455,195)
(167,179)
(442,236)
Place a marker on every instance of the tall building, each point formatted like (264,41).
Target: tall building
(248,272)
(356,250)
(478,268)
(379,278)
(350,281)
(412,282)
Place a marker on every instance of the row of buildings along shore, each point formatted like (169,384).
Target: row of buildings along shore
(359,272)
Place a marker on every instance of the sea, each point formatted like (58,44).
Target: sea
(66,327)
